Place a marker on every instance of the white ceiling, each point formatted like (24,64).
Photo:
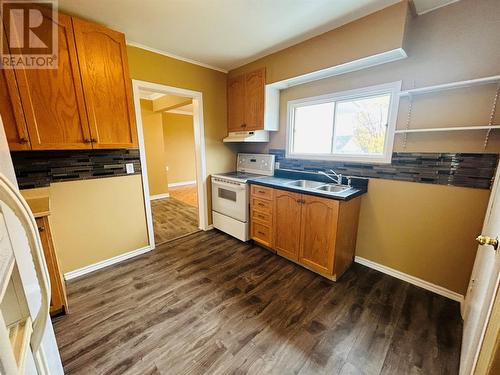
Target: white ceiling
(426,6)
(225,34)
(149,95)
(184,110)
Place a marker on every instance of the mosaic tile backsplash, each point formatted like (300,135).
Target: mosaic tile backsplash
(40,168)
(460,169)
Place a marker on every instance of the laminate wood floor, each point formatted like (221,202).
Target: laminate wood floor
(210,304)
(173,219)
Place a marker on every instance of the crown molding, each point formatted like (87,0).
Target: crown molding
(171,55)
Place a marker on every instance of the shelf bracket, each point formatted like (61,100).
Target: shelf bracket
(492,116)
(408,119)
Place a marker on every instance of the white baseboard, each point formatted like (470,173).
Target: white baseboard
(182,183)
(210,227)
(105,263)
(411,279)
(159,196)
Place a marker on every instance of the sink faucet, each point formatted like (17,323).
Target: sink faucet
(337,177)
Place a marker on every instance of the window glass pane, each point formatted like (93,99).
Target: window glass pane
(313,128)
(361,125)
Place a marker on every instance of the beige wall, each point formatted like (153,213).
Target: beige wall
(178,138)
(427,231)
(457,42)
(376,33)
(152,128)
(94,220)
(152,67)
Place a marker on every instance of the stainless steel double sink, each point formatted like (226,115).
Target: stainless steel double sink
(316,185)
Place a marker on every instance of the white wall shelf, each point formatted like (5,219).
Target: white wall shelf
(451,86)
(455,128)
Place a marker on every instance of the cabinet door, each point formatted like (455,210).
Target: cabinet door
(106,85)
(236,104)
(318,233)
(254,99)
(58,300)
(52,99)
(287,218)
(12,112)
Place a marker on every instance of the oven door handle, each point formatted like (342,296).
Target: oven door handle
(229,186)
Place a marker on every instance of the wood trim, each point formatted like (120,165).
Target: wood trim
(347,230)
(59,301)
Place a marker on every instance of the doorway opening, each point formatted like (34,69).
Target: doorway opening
(171,143)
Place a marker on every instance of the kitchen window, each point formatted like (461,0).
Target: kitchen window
(356,125)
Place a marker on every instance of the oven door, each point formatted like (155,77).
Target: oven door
(230,199)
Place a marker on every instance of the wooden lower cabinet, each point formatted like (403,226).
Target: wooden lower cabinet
(318,233)
(58,300)
(287,209)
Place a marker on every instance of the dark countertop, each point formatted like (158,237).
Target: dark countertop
(279,181)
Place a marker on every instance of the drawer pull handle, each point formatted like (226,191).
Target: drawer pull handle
(261,233)
(262,204)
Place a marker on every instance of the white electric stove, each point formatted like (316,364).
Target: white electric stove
(231,194)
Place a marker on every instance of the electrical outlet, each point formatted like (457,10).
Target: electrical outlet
(277,165)
(130,168)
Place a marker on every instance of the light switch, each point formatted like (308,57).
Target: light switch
(130,168)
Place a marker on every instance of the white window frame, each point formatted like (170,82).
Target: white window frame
(393,88)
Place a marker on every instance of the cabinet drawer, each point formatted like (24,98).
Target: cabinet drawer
(261,205)
(264,217)
(261,233)
(262,192)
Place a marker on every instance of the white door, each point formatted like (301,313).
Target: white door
(482,286)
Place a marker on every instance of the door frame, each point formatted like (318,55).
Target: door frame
(199,145)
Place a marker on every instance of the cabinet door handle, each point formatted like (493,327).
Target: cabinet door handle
(41,229)
(23,140)
(93,140)
(243,125)
(86,140)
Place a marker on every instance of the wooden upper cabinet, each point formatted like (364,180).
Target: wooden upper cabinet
(106,85)
(254,99)
(245,101)
(52,99)
(12,112)
(286,224)
(318,233)
(236,104)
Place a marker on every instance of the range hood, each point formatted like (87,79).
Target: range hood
(248,136)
